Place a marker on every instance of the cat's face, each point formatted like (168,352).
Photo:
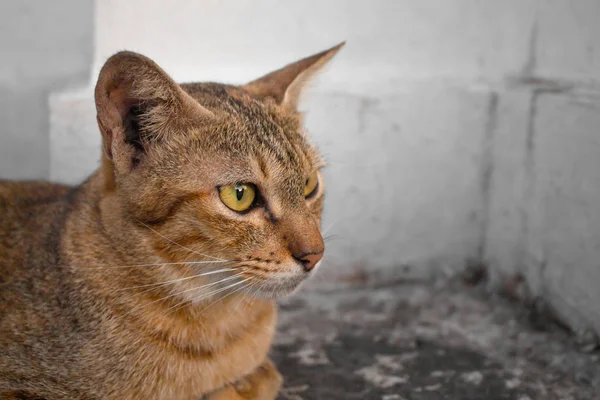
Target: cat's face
(222,177)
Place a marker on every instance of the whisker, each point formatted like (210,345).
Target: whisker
(179,279)
(204,296)
(185,291)
(330,237)
(177,244)
(261,287)
(324,231)
(161,264)
(232,277)
(240,301)
(227,295)
(246,295)
(256,290)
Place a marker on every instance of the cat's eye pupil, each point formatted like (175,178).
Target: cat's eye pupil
(239,192)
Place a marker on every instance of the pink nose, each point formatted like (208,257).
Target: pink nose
(309,260)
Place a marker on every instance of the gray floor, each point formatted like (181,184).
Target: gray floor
(423,342)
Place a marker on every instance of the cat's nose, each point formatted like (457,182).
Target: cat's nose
(309,260)
(304,239)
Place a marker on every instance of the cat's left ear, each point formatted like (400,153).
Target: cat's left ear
(286,84)
(138,105)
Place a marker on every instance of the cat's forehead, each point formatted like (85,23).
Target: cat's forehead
(249,126)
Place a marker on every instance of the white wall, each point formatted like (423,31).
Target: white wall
(44,46)
(456,131)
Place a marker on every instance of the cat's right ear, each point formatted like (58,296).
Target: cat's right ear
(137,105)
(285,85)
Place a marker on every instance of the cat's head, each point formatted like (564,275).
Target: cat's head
(221,176)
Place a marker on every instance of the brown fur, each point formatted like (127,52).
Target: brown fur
(100,296)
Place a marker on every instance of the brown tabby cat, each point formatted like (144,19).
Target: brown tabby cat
(155,278)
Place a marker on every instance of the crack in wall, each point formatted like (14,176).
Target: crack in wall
(530,181)
(487,172)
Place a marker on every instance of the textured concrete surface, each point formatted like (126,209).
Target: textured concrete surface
(564,232)
(418,342)
(543,218)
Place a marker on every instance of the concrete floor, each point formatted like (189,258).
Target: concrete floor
(422,342)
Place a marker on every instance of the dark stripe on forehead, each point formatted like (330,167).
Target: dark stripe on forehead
(263,132)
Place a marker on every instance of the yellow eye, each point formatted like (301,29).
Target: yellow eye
(311,184)
(238,197)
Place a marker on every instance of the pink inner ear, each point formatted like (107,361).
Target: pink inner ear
(112,110)
(121,101)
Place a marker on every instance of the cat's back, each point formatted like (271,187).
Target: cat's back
(24,202)
(27,193)
(28,210)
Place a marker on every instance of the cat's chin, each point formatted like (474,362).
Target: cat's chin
(278,288)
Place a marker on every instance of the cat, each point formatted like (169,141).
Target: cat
(156,278)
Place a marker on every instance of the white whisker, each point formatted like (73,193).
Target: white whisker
(203,286)
(204,296)
(228,294)
(185,291)
(161,264)
(324,231)
(180,279)
(246,295)
(256,292)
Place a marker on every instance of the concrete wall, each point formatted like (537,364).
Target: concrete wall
(44,46)
(544,214)
(456,132)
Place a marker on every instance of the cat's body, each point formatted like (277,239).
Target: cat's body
(63,325)
(140,283)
